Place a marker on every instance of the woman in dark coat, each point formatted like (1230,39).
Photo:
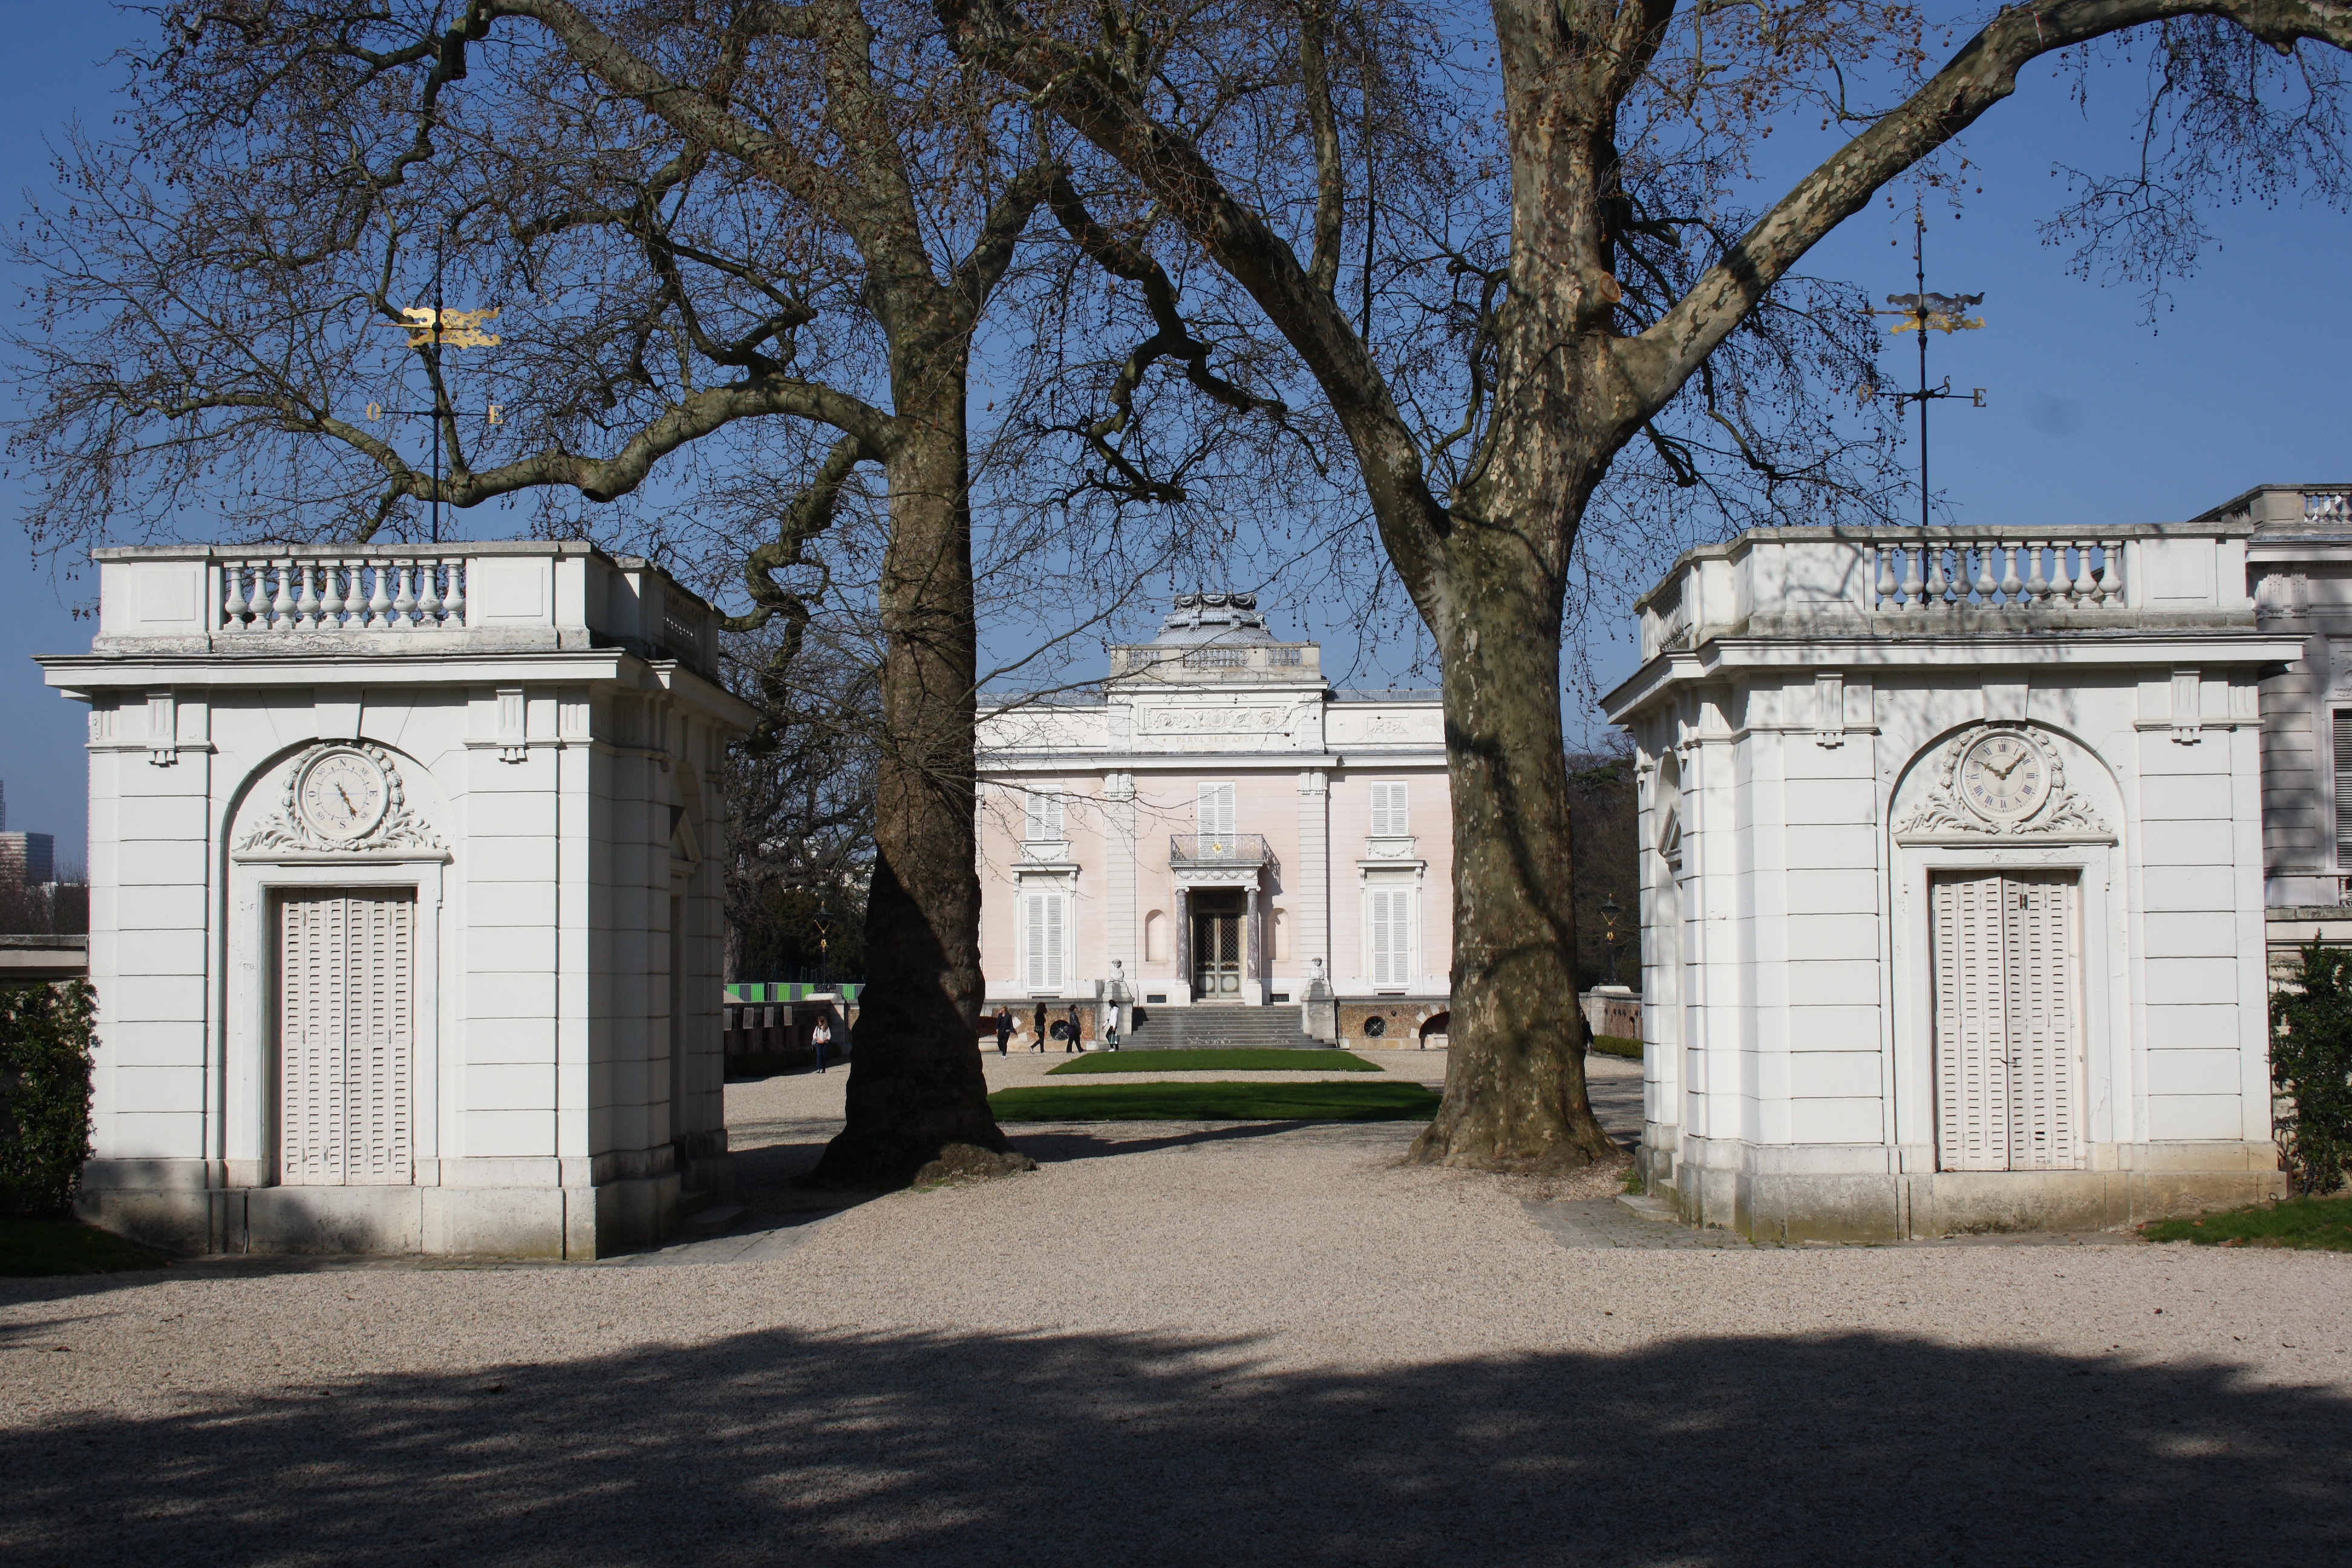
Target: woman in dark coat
(1003,1027)
(1070,1041)
(1039,1044)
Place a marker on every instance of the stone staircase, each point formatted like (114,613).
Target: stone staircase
(1214,1028)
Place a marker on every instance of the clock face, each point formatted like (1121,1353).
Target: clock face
(2004,775)
(342,794)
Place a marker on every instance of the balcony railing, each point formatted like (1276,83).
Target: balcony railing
(332,593)
(2060,574)
(1218,849)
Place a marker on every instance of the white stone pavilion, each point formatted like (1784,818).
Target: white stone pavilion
(1952,869)
(405,899)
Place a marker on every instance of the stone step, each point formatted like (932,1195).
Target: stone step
(694,1200)
(1219,1028)
(718,1218)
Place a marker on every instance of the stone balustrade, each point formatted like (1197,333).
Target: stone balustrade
(2075,574)
(342,592)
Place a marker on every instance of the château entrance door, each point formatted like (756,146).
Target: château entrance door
(2007,1039)
(346,998)
(1217,956)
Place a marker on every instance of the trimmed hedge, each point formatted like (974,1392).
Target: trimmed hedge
(2311,1065)
(44,1088)
(1617,1046)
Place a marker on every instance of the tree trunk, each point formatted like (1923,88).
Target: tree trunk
(918,1101)
(1515,1095)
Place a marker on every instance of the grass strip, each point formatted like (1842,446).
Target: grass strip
(1617,1046)
(1385,1101)
(38,1246)
(2306,1225)
(1215,1061)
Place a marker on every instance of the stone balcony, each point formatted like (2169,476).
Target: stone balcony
(378,601)
(1235,849)
(1910,582)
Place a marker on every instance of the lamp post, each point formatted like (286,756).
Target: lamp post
(1609,913)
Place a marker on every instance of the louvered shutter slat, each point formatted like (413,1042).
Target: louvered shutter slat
(1035,912)
(1052,906)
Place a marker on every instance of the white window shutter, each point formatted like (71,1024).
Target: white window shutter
(1044,815)
(1392,917)
(1036,915)
(2344,788)
(1217,810)
(1052,906)
(1389,819)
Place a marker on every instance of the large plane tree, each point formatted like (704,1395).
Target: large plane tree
(725,235)
(1618,282)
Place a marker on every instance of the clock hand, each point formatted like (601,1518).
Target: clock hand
(347,800)
(2004,773)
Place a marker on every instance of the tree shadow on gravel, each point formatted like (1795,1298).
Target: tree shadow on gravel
(1090,1449)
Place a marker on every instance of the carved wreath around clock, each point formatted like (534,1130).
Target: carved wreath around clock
(2001,779)
(343,797)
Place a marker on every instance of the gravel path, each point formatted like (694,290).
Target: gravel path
(1185,1344)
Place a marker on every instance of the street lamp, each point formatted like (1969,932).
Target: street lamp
(1609,913)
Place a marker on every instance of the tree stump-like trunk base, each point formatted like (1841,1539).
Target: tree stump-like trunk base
(1463,1149)
(886,1163)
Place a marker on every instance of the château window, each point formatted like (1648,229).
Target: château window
(1389,816)
(1045,817)
(1217,810)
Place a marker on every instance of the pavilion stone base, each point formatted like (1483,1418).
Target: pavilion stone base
(192,1208)
(1754,1191)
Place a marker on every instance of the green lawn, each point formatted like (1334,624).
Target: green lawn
(2310,1224)
(1617,1046)
(1217,1061)
(29,1246)
(1385,1101)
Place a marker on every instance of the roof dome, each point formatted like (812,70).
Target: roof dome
(1220,618)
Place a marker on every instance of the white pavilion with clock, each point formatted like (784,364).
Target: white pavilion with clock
(405,892)
(1952,878)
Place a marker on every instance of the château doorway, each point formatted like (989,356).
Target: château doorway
(1220,946)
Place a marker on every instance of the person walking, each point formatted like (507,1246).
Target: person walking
(821,1038)
(1070,1041)
(1004,1028)
(1110,1030)
(1039,1043)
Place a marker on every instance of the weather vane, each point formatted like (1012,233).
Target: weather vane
(431,326)
(1923,312)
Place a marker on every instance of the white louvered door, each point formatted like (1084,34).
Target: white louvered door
(346,986)
(2007,1040)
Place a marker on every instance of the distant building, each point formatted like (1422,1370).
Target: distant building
(1217,827)
(28,857)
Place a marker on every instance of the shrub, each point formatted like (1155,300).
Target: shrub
(2311,1064)
(45,1078)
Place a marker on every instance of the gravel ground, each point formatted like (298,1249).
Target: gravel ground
(1186,1342)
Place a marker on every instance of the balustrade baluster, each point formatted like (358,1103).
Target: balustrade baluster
(1886,584)
(306,605)
(1936,586)
(281,608)
(2035,583)
(428,602)
(2012,589)
(331,596)
(232,597)
(1911,562)
(378,602)
(404,604)
(1985,586)
(452,607)
(2111,576)
(2086,582)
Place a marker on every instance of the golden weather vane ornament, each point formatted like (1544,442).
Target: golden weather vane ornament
(1923,312)
(434,327)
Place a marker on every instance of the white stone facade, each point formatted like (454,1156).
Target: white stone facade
(2299,559)
(405,899)
(1220,825)
(1952,880)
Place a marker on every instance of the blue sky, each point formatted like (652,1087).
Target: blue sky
(2096,416)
